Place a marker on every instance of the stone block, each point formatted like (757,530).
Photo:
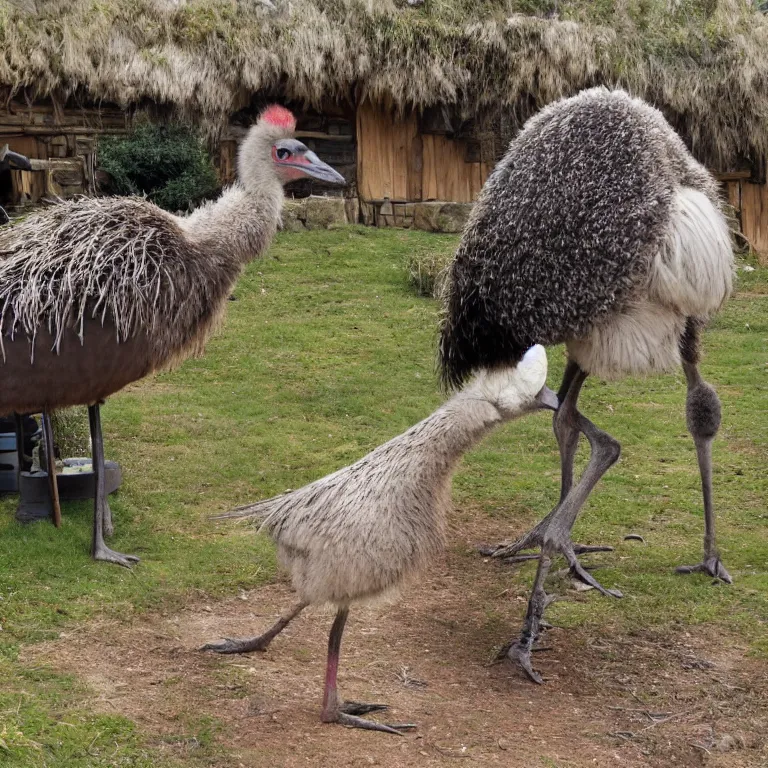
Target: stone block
(352,210)
(325,212)
(441,217)
(294,215)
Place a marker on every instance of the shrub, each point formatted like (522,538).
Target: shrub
(427,271)
(168,163)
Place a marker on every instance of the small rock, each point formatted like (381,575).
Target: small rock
(726,743)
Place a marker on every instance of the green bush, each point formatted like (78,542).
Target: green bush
(427,271)
(168,163)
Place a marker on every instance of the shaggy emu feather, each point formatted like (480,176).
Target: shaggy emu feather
(97,293)
(361,531)
(598,230)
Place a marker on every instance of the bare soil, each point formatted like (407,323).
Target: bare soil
(688,696)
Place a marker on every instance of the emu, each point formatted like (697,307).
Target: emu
(598,230)
(359,532)
(97,293)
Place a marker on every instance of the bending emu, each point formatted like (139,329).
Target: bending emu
(96,293)
(597,229)
(359,532)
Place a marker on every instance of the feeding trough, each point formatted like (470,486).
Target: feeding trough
(76,480)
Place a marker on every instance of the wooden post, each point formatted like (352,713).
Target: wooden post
(51,461)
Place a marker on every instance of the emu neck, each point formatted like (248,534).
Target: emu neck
(240,225)
(455,428)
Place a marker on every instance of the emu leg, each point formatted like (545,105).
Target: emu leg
(555,535)
(53,486)
(519,651)
(703,418)
(565,424)
(259,643)
(347,713)
(99,550)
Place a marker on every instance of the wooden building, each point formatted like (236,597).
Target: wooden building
(413,104)
(60,142)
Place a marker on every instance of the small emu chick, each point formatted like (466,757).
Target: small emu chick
(359,532)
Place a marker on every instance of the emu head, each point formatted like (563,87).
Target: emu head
(515,391)
(270,153)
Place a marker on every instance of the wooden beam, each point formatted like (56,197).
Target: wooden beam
(324,136)
(733,175)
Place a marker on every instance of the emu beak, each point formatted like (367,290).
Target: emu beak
(547,399)
(316,168)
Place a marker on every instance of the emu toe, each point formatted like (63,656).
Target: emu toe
(231,645)
(520,654)
(108,555)
(349,713)
(711,566)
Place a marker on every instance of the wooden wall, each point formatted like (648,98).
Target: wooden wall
(750,202)
(63,141)
(395,161)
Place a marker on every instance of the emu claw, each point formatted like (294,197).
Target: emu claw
(232,645)
(359,708)
(107,555)
(509,552)
(711,566)
(521,655)
(579,572)
(347,714)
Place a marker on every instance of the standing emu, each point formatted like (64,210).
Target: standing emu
(97,293)
(359,532)
(598,230)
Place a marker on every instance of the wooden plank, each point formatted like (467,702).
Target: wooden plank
(754,218)
(429,172)
(733,191)
(325,136)
(416,166)
(733,175)
(400,158)
(384,153)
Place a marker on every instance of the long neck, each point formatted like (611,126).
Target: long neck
(240,225)
(446,435)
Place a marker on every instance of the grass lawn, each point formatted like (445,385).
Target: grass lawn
(325,354)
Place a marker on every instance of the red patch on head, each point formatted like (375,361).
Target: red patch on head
(278,116)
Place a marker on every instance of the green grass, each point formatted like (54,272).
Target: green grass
(325,354)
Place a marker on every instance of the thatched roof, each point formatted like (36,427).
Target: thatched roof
(704,62)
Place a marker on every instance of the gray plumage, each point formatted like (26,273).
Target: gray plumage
(587,218)
(598,230)
(360,531)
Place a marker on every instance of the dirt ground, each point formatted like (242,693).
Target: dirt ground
(691,698)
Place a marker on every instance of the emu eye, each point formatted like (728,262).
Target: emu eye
(283,154)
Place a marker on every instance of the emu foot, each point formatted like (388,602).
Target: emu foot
(107,555)
(246,645)
(520,653)
(557,542)
(711,566)
(349,713)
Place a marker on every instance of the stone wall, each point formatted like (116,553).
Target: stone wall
(433,216)
(316,212)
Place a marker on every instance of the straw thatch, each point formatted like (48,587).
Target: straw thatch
(705,63)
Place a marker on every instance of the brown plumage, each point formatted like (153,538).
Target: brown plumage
(96,293)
